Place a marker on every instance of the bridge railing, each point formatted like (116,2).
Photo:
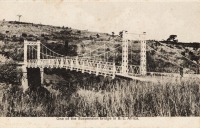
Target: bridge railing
(133,70)
(119,69)
(75,63)
(163,74)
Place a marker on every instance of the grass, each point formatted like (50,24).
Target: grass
(141,99)
(113,98)
(79,97)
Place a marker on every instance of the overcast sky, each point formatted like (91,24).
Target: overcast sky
(158,19)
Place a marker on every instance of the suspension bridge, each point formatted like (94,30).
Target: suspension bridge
(37,55)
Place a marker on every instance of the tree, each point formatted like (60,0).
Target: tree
(72,50)
(25,35)
(113,34)
(79,32)
(97,35)
(121,34)
(91,38)
(172,38)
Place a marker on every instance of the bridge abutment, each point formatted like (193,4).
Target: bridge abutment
(24,79)
(42,75)
(32,77)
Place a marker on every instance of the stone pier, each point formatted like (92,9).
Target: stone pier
(24,78)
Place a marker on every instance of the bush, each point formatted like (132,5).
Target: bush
(79,32)
(9,73)
(24,35)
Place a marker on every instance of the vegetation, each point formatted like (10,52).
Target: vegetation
(77,94)
(9,73)
(106,98)
(172,38)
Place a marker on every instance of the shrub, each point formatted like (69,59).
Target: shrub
(79,32)
(9,73)
(24,35)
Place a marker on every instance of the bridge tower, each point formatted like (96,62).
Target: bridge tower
(143,61)
(124,54)
(143,67)
(24,67)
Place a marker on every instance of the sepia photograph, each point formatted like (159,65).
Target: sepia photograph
(99,60)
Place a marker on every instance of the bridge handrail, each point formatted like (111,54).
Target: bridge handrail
(163,74)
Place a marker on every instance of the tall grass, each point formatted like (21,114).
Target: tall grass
(115,98)
(140,99)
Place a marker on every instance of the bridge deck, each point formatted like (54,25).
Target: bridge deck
(102,68)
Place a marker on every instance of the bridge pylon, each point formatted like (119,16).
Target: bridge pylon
(124,54)
(25,65)
(125,43)
(143,60)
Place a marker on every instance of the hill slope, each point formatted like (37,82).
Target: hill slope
(68,41)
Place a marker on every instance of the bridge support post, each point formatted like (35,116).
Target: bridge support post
(114,71)
(71,64)
(83,67)
(24,79)
(61,62)
(97,69)
(25,52)
(143,69)
(42,75)
(77,64)
(124,54)
(38,53)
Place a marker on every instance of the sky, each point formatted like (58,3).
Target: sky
(157,19)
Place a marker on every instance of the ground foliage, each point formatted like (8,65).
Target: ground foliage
(98,96)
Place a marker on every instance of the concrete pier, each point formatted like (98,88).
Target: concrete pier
(42,75)
(24,78)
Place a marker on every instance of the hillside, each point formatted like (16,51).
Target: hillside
(170,57)
(72,93)
(68,41)
(12,33)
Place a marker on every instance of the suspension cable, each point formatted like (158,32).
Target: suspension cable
(102,46)
(29,52)
(45,54)
(7,58)
(134,33)
(51,50)
(41,52)
(106,56)
(180,54)
(131,53)
(164,56)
